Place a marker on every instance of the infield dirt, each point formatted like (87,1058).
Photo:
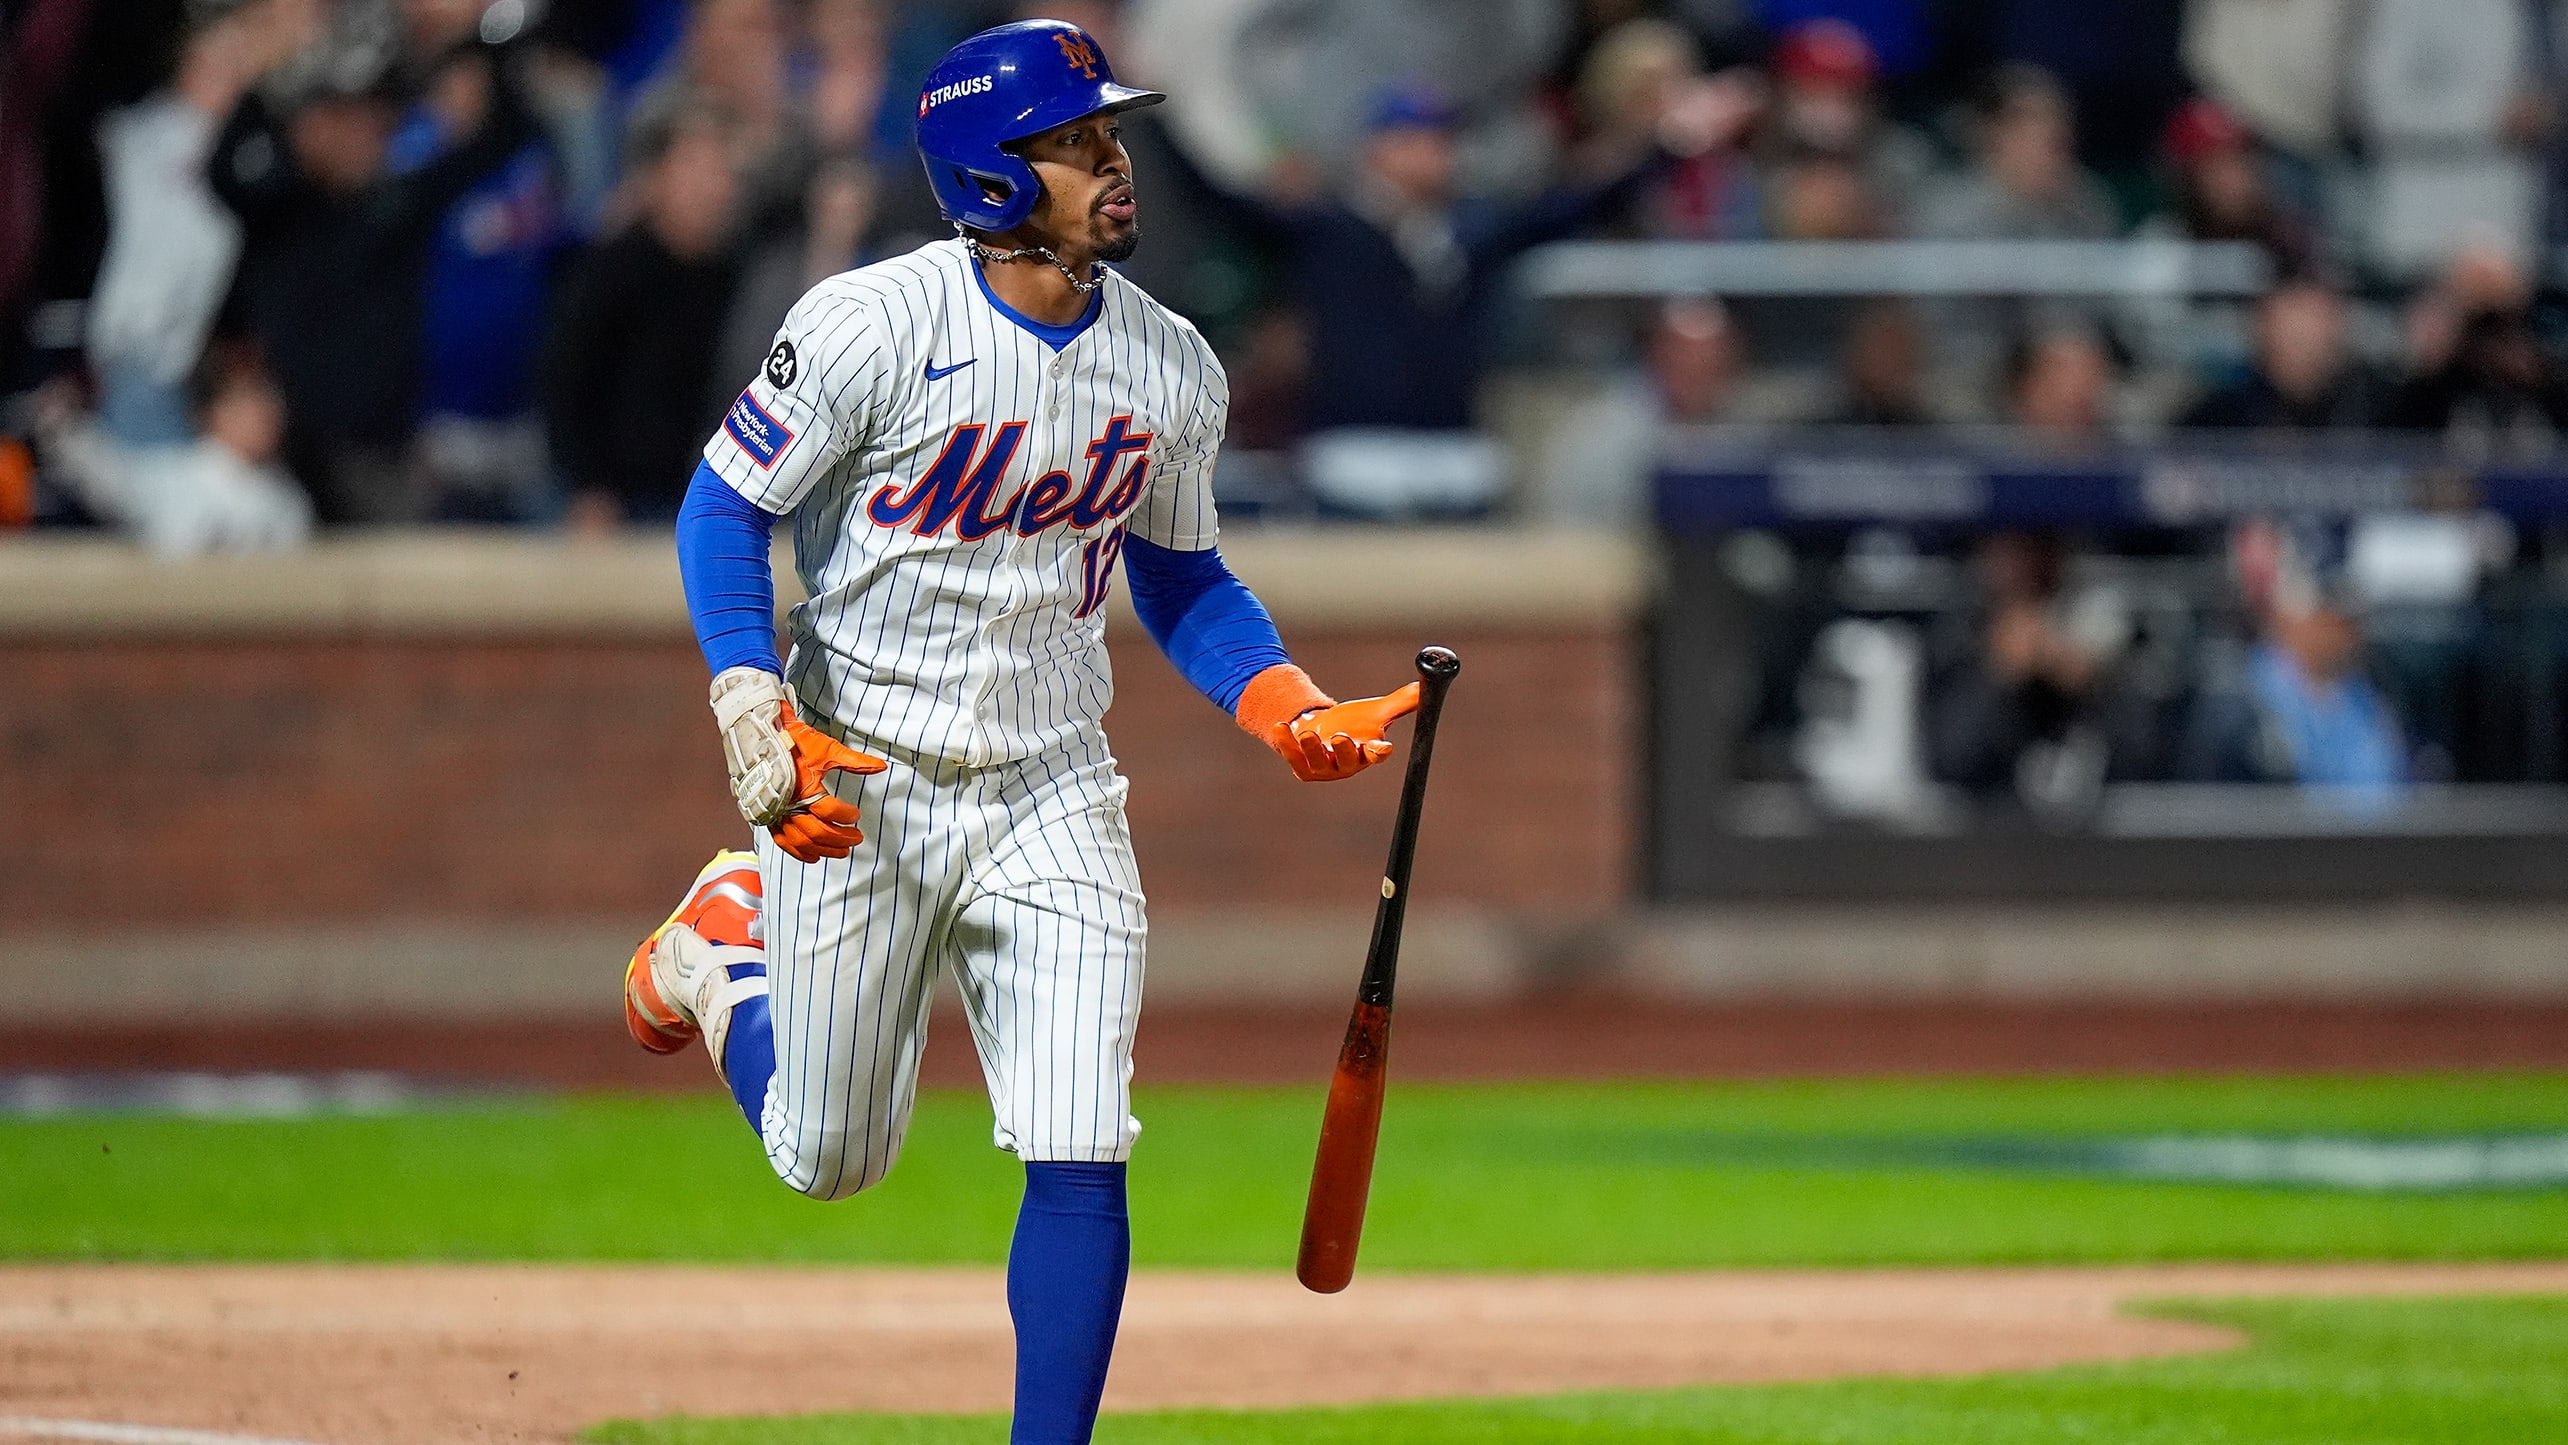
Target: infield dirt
(437,1355)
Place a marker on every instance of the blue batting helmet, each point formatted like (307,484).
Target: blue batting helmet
(1003,85)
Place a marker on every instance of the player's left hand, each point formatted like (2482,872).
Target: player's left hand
(1341,740)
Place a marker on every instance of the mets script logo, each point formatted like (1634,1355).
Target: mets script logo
(1081,52)
(960,489)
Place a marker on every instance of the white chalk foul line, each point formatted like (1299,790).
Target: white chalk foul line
(107,1433)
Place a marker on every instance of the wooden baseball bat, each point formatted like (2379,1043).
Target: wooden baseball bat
(1342,1174)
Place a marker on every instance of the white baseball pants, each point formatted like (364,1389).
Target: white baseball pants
(1018,879)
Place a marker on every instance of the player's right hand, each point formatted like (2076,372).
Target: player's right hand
(780,767)
(820,824)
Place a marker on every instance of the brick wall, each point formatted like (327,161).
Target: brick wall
(1531,811)
(318,780)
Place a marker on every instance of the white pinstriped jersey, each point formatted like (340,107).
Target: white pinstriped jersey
(961,490)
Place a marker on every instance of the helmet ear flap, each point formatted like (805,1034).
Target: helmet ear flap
(989,198)
(993,191)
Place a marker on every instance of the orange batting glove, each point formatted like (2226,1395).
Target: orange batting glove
(780,767)
(1322,739)
(822,824)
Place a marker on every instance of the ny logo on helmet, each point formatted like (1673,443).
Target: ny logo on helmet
(1079,51)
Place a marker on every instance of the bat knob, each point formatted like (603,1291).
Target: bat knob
(1438,663)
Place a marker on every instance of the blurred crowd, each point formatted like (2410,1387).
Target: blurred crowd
(2022,672)
(272,264)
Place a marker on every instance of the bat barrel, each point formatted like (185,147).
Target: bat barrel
(1342,1174)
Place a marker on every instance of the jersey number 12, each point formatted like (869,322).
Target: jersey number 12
(1097,565)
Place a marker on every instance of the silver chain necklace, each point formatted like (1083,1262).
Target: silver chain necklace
(983,252)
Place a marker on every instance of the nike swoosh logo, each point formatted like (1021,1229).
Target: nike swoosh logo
(939,373)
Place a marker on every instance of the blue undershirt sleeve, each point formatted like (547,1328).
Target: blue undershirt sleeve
(1211,626)
(731,586)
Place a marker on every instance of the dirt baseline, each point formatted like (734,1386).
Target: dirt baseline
(435,1355)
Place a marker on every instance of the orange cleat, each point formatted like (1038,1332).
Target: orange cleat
(659,988)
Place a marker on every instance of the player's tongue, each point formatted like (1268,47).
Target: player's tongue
(1117,204)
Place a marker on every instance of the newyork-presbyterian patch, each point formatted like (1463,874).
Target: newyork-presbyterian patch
(762,436)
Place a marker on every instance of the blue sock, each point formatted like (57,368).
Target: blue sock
(749,1051)
(1065,1291)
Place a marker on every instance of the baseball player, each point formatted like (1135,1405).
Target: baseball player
(967,439)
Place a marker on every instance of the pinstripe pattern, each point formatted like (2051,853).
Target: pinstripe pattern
(996,844)
(1018,880)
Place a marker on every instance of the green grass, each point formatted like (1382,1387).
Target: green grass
(2362,1372)
(1505,1177)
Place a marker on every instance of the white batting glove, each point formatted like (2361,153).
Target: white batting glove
(750,707)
